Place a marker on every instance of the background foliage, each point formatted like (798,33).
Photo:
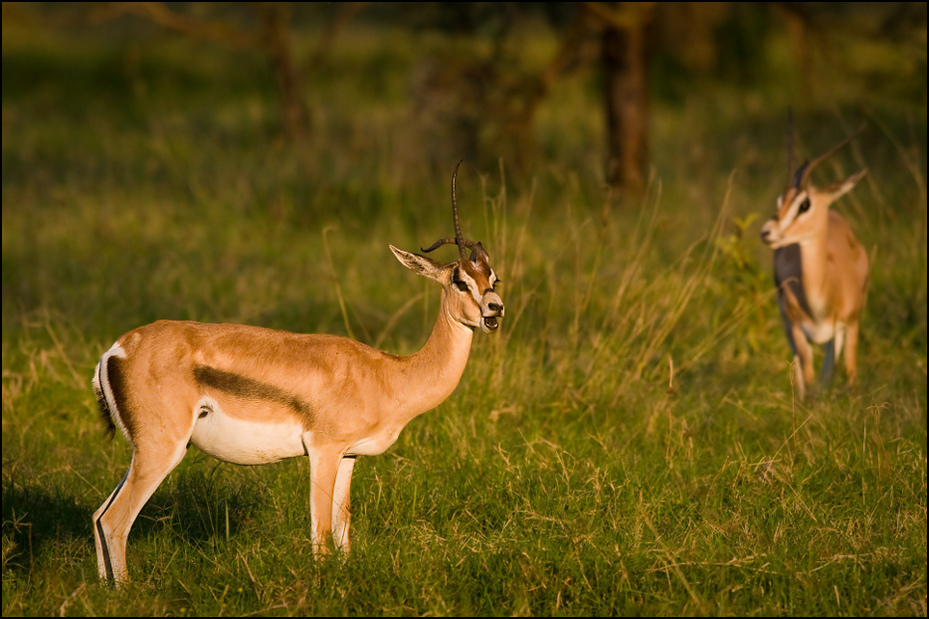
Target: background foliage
(627,444)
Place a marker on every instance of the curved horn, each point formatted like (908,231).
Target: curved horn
(458,237)
(459,240)
(447,240)
(450,241)
(807,168)
(790,146)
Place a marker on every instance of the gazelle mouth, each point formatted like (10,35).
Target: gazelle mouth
(490,323)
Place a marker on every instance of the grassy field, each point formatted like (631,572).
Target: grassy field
(627,444)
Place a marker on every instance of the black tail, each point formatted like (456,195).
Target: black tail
(105,414)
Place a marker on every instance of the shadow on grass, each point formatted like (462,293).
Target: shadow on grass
(49,523)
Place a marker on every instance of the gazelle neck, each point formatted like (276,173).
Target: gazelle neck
(816,279)
(436,368)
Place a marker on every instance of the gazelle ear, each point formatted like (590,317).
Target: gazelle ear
(843,187)
(419,264)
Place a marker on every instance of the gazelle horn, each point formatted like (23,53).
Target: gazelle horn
(790,147)
(802,177)
(462,243)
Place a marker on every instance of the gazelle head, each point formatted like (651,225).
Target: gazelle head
(469,282)
(803,209)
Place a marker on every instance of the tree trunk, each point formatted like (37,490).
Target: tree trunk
(624,56)
(275,30)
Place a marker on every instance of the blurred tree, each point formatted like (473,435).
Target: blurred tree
(625,73)
(482,104)
(270,33)
(485,101)
(820,31)
(673,50)
(489,103)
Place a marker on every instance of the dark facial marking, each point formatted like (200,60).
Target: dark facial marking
(459,283)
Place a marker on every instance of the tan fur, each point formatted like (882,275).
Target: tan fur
(833,275)
(251,395)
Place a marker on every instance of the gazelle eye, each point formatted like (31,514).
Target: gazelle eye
(804,207)
(460,285)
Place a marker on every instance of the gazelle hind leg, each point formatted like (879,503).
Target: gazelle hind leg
(341,498)
(830,349)
(842,341)
(115,517)
(104,563)
(851,353)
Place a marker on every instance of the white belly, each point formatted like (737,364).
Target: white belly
(245,442)
(374,445)
(818,333)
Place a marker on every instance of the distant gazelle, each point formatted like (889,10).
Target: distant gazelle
(251,395)
(820,268)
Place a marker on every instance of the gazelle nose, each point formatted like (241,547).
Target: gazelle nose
(767,230)
(496,307)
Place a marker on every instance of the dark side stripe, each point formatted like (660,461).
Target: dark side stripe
(788,271)
(249,388)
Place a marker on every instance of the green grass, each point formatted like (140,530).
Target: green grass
(571,473)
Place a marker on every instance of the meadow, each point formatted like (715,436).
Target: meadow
(628,443)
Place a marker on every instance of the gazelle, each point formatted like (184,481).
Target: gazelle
(251,395)
(820,268)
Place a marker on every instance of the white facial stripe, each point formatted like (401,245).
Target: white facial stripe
(476,293)
(476,290)
(794,209)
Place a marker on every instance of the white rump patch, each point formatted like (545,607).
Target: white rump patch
(102,385)
(243,442)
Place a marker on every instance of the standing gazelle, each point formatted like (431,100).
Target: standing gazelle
(820,268)
(251,395)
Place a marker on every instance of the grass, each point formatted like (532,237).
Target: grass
(627,444)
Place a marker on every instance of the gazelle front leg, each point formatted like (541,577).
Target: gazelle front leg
(341,516)
(804,354)
(324,467)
